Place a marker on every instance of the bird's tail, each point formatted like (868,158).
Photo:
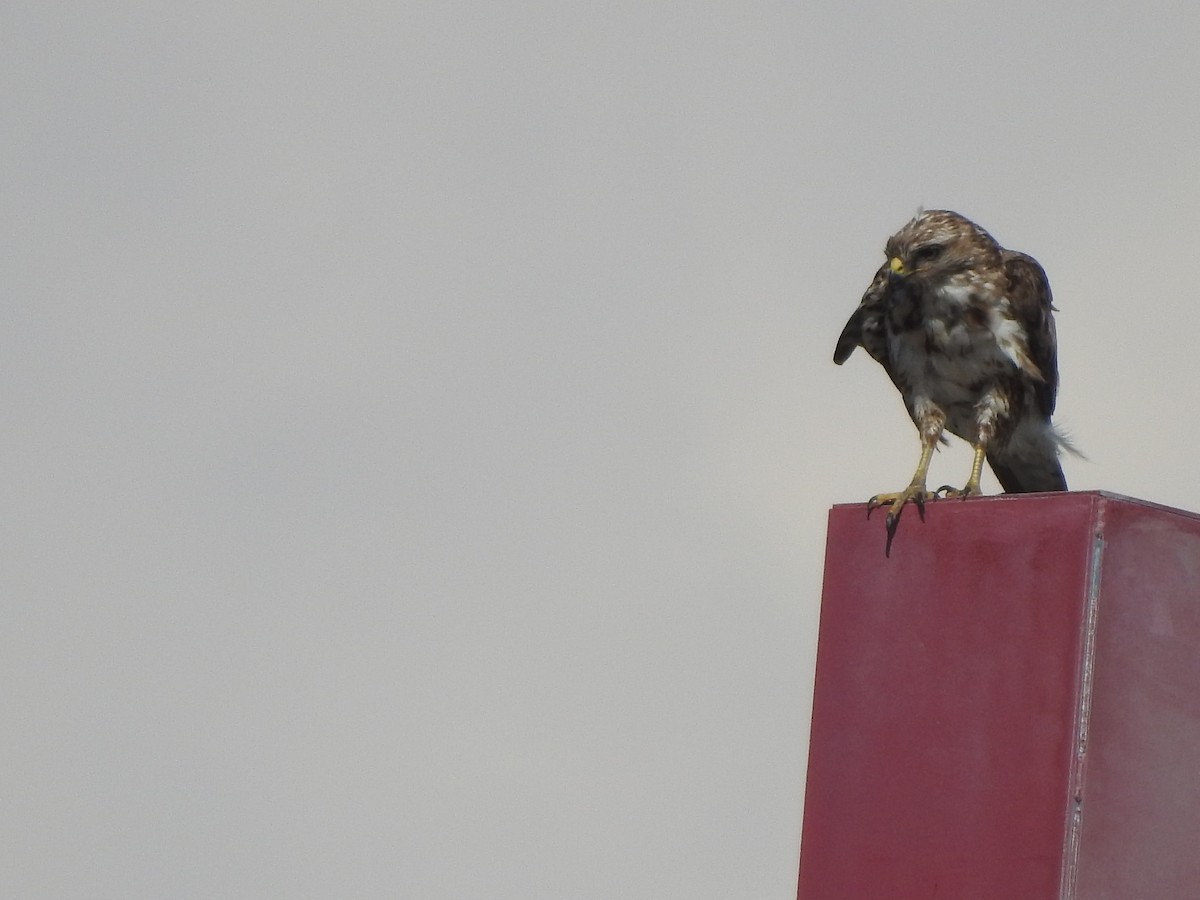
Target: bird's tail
(1029,462)
(1025,476)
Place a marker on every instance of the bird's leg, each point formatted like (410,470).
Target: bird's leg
(930,422)
(987,411)
(972,488)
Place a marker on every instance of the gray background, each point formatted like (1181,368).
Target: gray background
(419,422)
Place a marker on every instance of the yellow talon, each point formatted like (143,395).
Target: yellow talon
(914,493)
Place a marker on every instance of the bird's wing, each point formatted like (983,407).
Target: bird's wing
(1032,306)
(865,327)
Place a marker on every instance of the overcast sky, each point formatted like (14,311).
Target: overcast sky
(419,419)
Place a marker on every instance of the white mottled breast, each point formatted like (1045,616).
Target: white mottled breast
(960,350)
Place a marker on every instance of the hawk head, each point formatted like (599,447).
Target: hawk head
(938,244)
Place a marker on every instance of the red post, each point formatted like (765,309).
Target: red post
(1007,707)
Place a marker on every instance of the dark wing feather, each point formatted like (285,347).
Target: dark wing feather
(865,328)
(850,338)
(1032,306)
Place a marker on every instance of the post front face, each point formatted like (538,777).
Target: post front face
(947,700)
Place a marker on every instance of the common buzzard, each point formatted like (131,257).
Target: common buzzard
(965,330)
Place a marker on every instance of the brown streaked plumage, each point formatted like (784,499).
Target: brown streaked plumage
(965,330)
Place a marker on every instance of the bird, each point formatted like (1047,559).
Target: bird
(965,331)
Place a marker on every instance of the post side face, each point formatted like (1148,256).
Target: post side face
(945,701)
(1140,834)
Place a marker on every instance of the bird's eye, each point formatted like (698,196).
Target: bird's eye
(928,253)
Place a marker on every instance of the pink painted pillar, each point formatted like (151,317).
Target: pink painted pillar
(1007,707)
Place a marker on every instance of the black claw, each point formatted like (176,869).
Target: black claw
(892,522)
(920,501)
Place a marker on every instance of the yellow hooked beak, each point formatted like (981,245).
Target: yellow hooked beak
(896,264)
